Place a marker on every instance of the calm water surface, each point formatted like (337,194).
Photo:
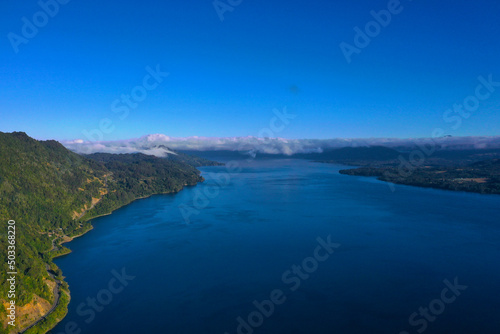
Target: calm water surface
(396,250)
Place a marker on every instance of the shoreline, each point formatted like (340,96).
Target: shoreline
(69,240)
(446,186)
(139,198)
(82,234)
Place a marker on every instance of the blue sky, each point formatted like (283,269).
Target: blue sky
(226,77)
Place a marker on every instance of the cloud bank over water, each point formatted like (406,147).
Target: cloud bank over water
(160,145)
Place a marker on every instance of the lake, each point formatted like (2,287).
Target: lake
(289,246)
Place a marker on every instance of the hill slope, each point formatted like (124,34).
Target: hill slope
(52,192)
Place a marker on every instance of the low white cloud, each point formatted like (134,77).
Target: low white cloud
(161,145)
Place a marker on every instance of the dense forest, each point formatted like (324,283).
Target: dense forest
(139,175)
(52,193)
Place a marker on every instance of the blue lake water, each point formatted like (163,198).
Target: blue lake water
(395,250)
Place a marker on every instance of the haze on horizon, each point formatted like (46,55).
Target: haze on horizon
(203,72)
(161,145)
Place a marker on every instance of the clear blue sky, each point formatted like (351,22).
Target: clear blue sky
(226,77)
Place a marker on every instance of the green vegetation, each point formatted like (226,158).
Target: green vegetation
(53,318)
(60,251)
(472,170)
(480,177)
(52,192)
(140,175)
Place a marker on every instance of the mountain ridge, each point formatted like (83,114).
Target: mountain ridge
(53,193)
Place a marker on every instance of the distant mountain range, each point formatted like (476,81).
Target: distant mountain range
(149,144)
(184,157)
(346,154)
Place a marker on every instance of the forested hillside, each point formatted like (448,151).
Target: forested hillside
(480,177)
(140,175)
(52,192)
